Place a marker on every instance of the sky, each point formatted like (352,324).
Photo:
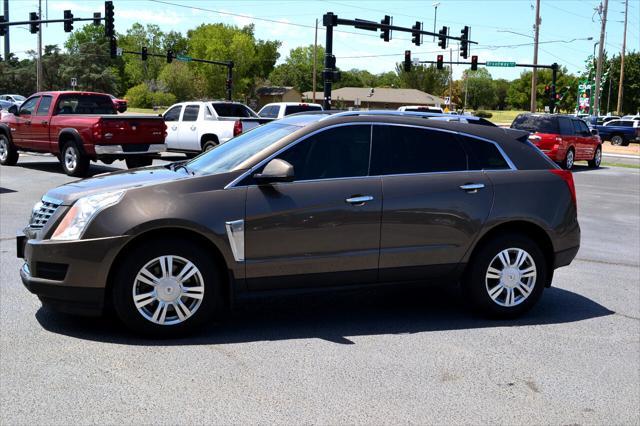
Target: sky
(502,28)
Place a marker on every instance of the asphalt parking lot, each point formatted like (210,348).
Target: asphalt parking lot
(383,356)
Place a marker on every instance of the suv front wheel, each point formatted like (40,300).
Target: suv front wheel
(506,276)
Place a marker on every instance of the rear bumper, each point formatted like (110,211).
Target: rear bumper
(105,150)
(565,257)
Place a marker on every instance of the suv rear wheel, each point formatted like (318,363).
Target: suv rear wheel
(8,152)
(74,162)
(506,276)
(597,158)
(569,159)
(166,288)
(209,144)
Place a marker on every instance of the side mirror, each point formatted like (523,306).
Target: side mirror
(13,109)
(594,132)
(122,108)
(276,170)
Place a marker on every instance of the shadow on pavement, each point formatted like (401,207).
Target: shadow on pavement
(336,316)
(55,167)
(578,168)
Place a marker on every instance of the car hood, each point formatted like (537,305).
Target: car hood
(130,179)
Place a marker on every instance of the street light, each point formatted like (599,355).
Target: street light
(435,16)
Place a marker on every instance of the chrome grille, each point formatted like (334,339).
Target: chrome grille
(41,215)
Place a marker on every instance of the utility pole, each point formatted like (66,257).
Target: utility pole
(315,60)
(7,48)
(534,75)
(603,28)
(624,46)
(450,78)
(39,63)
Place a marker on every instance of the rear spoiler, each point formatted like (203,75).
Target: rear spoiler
(520,135)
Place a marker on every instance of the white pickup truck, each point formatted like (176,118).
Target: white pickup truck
(193,127)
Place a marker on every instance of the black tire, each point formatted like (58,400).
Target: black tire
(135,162)
(8,151)
(144,255)
(74,161)
(569,159)
(476,284)
(597,158)
(209,144)
(617,140)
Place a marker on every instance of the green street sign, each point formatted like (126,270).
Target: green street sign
(500,64)
(183,58)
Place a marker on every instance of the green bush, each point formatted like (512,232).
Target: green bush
(483,114)
(141,96)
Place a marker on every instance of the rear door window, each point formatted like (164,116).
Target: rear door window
(292,109)
(191,113)
(408,150)
(536,123)
(233,110)
(45,105)
(484,155)
(566,128)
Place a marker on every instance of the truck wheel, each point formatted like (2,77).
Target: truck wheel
(74,162)
(166,288)
(209,145)
(569,159)
(8,152)
(135,162)
(617,140)
(597,158)
(506,276)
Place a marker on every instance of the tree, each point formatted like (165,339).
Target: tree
(501,90)
(184,83)
(426,78)
(297,69)
(481,91)
(631,84)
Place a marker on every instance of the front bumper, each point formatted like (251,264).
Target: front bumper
(120,150)
(70,276)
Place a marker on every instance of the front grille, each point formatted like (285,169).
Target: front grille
(41,216)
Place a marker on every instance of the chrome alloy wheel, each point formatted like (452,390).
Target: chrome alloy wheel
(511,277)
(570,159)
(168,290)
(70,158)
(598,157)
(4,149)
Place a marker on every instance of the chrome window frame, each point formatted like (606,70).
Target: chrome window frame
(261,163)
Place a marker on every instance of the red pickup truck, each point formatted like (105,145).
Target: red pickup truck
(79,127)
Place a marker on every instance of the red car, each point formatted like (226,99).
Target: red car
(79,127)
(119,104)
(564,138)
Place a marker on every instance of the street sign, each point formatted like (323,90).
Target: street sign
(447,100)
(74,82)
(415,62)
(500,64)
(119,51)
(183,58)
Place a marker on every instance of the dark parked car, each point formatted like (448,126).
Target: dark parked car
(308,202)
(564,138)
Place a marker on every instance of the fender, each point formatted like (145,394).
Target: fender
(5,129)
(75,135)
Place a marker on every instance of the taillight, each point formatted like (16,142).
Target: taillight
(567,176)
(237,128)
(97,131)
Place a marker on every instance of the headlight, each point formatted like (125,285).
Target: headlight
(82,213)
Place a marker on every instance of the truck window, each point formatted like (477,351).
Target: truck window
(85,104)
(269,111)
(28,107)
(45,105)
(292,109)
(191,113)
(233,110)
(173,114)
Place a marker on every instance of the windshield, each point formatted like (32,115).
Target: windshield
(19,97)
(228,156)
(536,123)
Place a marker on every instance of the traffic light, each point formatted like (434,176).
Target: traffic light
(109,26)
(144,54)
(113,47)
(442,37)
(68,21)
(407,61)
(474,63)
(464,45)
(440,61)
(97,17)
(415,33)
(3,31)
(169,56)
(386,32)
(547,90)
(34,27)
(229,83)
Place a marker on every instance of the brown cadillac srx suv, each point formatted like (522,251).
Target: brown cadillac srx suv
(309,201)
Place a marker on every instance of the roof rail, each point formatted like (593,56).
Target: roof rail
(402,114)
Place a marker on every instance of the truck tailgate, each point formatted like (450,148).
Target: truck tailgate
(132,129)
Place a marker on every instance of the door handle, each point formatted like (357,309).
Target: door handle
(28,122)
(44,123)
(174,127)
(472,188)
(359,199)
(193,128)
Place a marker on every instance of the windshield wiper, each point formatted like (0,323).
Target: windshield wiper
(181,165)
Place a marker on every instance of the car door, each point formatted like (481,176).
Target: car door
(583,143)
(172,120)
(434,206)
(322,229)
(22,136)
(40,124)
(188,135)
